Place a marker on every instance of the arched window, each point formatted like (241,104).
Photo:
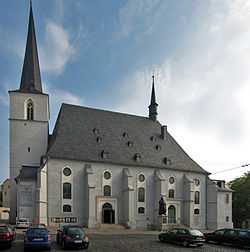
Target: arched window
(67,191)
(196,211)
(197,197)
(171,193)
(141,194)
(30,110)
(171,215)
(141,210)
(107,190)
(67,208)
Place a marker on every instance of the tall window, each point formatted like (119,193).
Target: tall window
(107,190)
(30,110)
(67,191)
(171,193)
(197,197)
(141,194)
(227,198)
(67,208)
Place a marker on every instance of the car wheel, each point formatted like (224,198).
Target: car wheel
(185,244)
(64,245)
(161,239)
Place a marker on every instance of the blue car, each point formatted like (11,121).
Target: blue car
(37,238)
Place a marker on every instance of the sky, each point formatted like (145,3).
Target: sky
(102,54)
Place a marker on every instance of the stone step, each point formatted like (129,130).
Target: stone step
(112,226)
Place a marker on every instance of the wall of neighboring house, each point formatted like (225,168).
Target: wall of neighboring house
(6,193)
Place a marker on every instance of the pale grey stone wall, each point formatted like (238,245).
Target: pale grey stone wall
(28,139)
(127,200)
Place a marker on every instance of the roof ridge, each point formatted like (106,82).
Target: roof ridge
(108,111)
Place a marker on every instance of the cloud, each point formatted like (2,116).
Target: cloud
(57,50)
(136,15)
(202,93)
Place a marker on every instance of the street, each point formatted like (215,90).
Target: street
(130,243)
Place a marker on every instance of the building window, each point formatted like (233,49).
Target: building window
(227,198)
(171,180)
(67,191)
(197,182)
(66,172)
(30,110)
(67,208)
(171,193)
(196,211)
(107,190)
(197,197)
(141,177)
(141,210)
(227,219)
(107,175)
(141,194)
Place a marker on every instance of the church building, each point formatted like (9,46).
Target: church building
(102,167)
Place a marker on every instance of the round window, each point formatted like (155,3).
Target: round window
(197,182)
(107,175)
(141,177)
(171,180)
(66,172)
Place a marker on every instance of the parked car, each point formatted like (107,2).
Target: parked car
(233,236)
(183,236)
(7,235)
(37,238)
(69,236)
(22,223)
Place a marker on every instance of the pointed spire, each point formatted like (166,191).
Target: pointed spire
(153,105)
(31,79)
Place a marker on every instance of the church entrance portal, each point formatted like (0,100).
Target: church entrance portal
(108,214)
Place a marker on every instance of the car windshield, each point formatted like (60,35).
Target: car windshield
(21,220)
(37,231)
(3,230)
(195,232)
(75,231)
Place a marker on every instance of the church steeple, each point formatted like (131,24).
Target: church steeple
(153,105)
(31,79)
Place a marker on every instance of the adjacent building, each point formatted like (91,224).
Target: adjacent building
(101,166)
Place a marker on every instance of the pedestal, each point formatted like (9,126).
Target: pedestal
(162,222)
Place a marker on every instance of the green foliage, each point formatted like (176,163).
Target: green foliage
(241,199)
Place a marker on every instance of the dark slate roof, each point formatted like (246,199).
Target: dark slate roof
(31,79)
(95,135)
(28,172)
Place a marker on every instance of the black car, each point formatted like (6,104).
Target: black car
(70,236)
(232,236)
(183,236)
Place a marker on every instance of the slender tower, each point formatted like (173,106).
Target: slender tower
(153,105)
(28,119)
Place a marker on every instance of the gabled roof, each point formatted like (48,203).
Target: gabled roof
(94,135)
(28,173)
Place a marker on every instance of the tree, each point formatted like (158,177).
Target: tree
(241,199)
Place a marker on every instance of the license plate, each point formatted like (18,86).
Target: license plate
(38,239)
(78,241)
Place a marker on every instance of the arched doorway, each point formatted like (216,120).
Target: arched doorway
(108,214)
(171,215)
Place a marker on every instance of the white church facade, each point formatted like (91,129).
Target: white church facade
(102,167)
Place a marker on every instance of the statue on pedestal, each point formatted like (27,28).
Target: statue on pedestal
(162,207)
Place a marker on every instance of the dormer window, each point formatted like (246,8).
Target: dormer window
(137,157)
(30,110)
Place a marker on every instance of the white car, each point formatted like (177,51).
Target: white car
(22,223)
